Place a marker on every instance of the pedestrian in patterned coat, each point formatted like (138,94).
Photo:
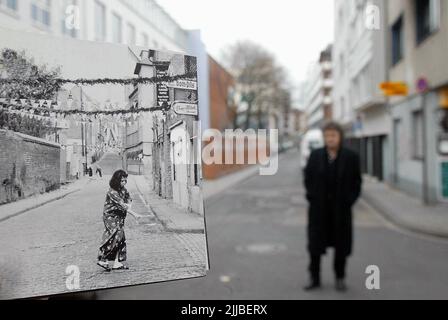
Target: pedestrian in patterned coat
(333,184)
(113,246)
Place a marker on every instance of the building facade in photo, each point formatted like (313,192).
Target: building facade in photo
(417,52)
(167,142)
(132,22)
(359,66)
(139,24)
(318,101)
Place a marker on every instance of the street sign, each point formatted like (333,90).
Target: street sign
(394,89)
(444,98)
(163,96)
(422,85)
(184,84)
(189,109)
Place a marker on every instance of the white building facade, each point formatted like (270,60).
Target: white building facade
(418,33)
(359,63)
(317,92)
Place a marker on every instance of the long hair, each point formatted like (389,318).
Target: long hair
(332,125)
(115,181)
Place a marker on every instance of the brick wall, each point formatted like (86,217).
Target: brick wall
(28,166)
(215,171)
(221,114)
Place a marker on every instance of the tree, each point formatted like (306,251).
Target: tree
(38,83)
(261,81)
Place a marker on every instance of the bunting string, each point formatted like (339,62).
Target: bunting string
(92,82)
(45,110)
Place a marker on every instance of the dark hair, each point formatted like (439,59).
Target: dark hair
(115,181)
(332,125)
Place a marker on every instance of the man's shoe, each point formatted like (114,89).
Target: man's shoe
(313,285)
(340,285)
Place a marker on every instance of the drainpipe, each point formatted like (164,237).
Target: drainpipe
(425,153)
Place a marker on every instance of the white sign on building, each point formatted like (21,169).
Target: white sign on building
(189,109)
(184,84)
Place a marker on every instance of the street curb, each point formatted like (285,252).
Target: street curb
(402,223)
(37,205)
(164,223)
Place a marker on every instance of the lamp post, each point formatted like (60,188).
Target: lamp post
(83,140)
(84,134)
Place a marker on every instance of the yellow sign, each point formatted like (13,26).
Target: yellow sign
(394,89)
(444,98)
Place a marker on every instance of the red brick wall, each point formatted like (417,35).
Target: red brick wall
(215,171)
(28,166)
(221,115)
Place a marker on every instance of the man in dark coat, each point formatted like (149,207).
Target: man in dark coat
(333,184)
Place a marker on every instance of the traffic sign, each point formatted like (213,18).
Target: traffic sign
(422,85)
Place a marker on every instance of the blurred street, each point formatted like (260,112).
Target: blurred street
(257,244)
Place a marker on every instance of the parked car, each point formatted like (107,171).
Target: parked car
(311,140)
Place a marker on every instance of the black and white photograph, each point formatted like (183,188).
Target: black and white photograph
(100,166)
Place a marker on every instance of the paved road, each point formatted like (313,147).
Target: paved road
(257,242)
(38,246)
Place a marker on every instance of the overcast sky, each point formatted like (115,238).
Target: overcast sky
(295,31)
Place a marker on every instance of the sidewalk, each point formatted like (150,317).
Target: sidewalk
(172,217)
(13,209)
(406,211)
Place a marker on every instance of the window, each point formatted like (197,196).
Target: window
(100,21)
(341,64)
(417,132)
(190,64)
(397,41)
(9,4)
(342,108)
(131,34)
(117,34)
(427,18)
(68,28)
(341,17)
(40,12)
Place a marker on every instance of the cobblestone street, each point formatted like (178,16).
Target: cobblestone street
(38,246)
